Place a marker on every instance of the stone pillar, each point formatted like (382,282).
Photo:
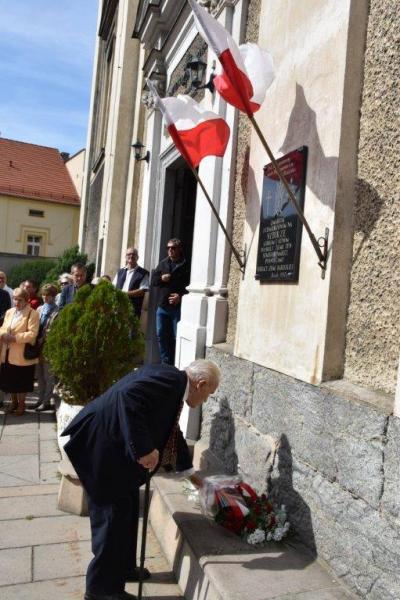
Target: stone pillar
(149,191)
(204,309)
(119,135)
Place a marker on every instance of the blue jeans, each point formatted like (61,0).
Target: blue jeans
(166,323)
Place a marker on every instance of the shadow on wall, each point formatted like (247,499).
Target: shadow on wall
(367,209)
(321,170)
(222,437)
(282,492)
(303,131)
(278,483)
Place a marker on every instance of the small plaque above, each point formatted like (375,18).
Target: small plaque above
(279,240)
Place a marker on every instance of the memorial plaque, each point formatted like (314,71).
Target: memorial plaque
(280,228)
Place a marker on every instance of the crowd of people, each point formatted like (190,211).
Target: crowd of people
(27,313)
(142,409)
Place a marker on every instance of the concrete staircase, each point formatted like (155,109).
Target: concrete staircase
(210,563)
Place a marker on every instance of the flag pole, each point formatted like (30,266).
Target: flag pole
(235,252)
(322,256)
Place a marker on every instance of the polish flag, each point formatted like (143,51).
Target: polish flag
(248,70)
(196,132)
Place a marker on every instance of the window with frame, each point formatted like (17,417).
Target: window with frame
(33,245)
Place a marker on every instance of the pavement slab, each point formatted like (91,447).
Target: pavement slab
(49,472)
(67,560)
(29,490)
(27,507)
(57,589)
(49,451)
(19,470)
(43,530)
(16,566)
(14,446)
(25,425)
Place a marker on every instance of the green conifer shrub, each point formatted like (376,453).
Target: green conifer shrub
(93,342)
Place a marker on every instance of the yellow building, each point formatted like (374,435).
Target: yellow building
(39,204)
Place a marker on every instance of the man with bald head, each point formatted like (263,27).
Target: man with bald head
(133,280)
(130,429)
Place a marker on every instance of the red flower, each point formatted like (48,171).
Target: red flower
(251,525)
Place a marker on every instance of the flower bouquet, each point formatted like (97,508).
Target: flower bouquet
(236,506)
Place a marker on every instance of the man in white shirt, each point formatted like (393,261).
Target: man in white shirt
(4,286)
(133,280)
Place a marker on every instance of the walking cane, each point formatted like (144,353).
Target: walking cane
(144,532)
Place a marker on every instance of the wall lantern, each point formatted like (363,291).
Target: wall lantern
(196,69)
(138,148)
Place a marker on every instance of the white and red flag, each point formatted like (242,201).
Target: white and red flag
(196,132)
(248,70)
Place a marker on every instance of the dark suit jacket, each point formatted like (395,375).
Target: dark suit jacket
(5,304)
(180,277)
(135,416)
(67,295)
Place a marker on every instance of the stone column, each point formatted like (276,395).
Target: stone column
(204,309)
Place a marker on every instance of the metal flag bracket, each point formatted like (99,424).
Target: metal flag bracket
(323,244)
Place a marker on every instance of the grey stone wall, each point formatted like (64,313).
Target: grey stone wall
(373,328)
(334,462)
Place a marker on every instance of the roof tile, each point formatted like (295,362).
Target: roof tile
(37,172)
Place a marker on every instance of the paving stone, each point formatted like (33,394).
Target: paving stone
(24,444)
(15,566)
(47,426)
(29,490)
(28,506)
(43,530)
(25,425)
(49,472)
(49,451)
(338,594)
(67,560)
(19,470)
(58,589)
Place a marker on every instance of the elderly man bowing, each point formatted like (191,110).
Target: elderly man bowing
(114,439)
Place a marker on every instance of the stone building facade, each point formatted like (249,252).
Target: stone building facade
(307,401)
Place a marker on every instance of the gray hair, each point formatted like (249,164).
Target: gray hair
(204,369)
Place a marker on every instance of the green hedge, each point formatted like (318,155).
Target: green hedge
(48,271)
(32,269)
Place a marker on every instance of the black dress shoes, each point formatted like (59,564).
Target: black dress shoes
(117,596)
(133,574)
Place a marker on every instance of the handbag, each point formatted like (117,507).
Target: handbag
(32,351)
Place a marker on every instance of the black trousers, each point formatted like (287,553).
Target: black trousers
(114,540)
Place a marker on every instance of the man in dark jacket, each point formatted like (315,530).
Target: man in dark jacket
(79,273)
(5,304)
(133,280)
(114,439)
(171,277)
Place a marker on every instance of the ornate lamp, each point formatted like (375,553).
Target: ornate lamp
(138,148)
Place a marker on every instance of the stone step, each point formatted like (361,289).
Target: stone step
(210,563)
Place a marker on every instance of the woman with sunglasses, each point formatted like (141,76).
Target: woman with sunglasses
(20,327)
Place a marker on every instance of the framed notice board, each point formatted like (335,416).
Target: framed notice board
(279,240)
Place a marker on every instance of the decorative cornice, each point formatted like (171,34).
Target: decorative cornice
(216,6)
(159,77)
